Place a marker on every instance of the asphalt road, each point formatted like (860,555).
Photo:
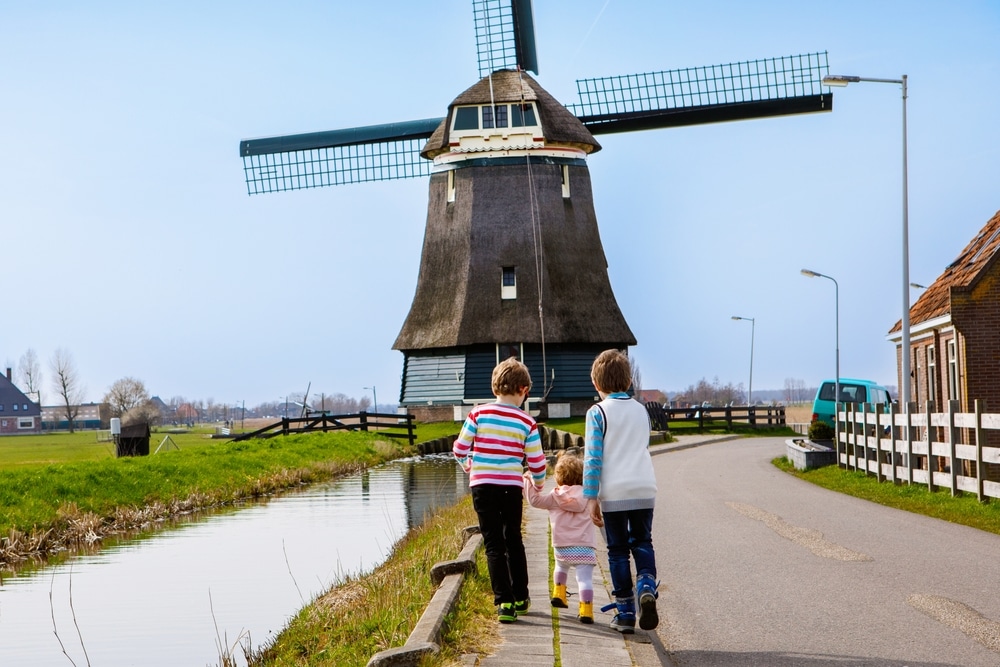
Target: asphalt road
(760,568)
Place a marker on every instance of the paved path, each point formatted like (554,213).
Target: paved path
(759,568)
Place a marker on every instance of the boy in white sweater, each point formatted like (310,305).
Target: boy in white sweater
(618,478)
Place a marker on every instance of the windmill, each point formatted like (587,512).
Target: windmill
(512,262)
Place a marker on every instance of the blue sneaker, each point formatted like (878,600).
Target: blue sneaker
(645,587)
(624,620)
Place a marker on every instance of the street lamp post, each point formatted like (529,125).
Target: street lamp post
(374,398)
(752,326)
(835,80)
(836,293)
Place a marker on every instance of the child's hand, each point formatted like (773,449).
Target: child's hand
(467,464)
(594,507)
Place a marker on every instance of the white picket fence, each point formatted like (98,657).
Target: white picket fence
(898,446)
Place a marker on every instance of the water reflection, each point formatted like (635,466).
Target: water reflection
(157,601)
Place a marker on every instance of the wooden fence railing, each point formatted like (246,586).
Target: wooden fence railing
(754,415)
(940,449)
(388,425)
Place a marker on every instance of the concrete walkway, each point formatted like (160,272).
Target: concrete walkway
(530,640)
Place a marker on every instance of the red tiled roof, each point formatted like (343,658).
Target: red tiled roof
(936,299)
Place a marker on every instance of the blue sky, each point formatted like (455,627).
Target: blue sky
(129,239)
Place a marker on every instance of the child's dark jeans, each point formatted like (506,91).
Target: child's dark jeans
(629,532)
(499,509)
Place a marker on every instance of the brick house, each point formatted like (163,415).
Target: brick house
(18,413)
(955,330)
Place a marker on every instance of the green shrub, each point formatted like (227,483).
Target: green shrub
(820,430)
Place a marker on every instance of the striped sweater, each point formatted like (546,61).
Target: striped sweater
(497,437)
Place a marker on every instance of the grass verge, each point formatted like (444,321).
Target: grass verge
(371,613)
(51,506)
(964,509)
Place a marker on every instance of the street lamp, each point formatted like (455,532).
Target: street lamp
(374,398)
(752,326)
(836,293)
(835,80)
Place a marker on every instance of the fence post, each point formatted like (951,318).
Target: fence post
(363,420)
(893,411)
(979,407)
(284,426)
(910,407)
(930,446)
(852,439)
(729,418)
(952,436)
(864,436)
(879,473)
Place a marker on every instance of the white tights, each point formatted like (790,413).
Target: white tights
(584,578)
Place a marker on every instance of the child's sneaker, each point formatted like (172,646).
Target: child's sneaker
(645,587)
(624,620)
(521,608)
(506,613)
(586,613)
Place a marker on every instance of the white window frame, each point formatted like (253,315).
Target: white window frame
(25,422)
(931,373)
(508,291)
(952,369)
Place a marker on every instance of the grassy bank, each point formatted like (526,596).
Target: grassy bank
(48,506)
(963,509)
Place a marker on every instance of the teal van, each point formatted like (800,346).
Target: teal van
(851,391)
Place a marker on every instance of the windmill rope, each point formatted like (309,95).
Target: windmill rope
(536,235)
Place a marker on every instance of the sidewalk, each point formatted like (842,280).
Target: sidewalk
(530,640)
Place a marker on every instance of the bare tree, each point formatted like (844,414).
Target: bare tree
(125,396)
(30,374)
(66,381)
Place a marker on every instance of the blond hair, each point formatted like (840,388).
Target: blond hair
(569,470)
(509,377)
(611,372)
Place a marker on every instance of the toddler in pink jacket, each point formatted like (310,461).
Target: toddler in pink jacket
(572,533)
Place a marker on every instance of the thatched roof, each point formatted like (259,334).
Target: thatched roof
(489,226)
(966,269)
(559,126)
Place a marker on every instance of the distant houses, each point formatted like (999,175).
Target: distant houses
(18,413)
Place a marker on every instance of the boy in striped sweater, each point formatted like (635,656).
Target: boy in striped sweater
(495,439)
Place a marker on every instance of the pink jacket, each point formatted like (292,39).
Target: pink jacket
(571,524)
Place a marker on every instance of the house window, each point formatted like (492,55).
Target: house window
(3,423)
(15,407)
(25,407)
(565,181)
(1,407)
(952,371)
(931,374)
(25,422)
(508,284)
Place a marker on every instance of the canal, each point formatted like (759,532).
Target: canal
(182,596)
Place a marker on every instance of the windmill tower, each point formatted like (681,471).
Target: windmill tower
(512,262)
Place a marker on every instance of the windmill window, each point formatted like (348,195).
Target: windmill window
(467,118)
(451,186)
(565,181)
(497,113)
(508,283)
(522,115)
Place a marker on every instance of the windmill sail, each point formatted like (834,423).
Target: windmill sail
(672,98)
(698,95)
(505,35)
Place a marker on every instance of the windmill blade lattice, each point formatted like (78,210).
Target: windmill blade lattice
(697,95)
(338,157)
(505,35)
